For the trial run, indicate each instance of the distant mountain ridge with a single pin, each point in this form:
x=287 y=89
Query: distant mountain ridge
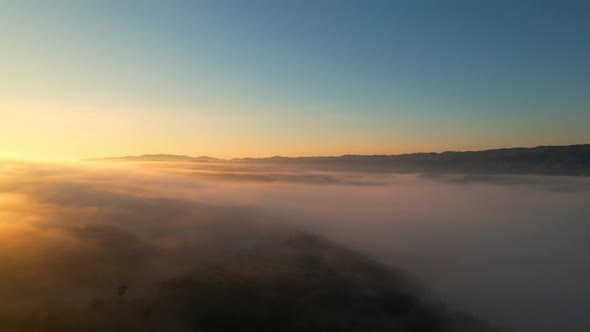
x=159 y=157
x=541 y=160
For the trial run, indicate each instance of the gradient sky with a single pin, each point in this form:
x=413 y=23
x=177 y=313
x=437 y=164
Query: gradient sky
x=259 y=78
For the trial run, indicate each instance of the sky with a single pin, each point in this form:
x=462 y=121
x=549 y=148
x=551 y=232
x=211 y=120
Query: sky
x=255 y=78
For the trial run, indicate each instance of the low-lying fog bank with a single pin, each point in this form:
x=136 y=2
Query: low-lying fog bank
x=509 y=249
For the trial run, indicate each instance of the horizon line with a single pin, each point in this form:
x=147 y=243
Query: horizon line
x=329 y=156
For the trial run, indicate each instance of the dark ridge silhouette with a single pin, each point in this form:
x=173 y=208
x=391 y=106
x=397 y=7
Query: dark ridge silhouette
x=548 y=160
x=541 y=160
x=291 y=281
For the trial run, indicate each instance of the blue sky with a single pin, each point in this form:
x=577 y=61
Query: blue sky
x=236 y=78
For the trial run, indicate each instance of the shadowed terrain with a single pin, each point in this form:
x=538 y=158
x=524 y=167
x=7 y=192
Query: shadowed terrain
x=287 y=282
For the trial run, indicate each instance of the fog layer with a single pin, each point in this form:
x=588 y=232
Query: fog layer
x=509 y=249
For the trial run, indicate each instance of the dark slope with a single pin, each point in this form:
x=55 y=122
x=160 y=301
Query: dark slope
x=271 y=281
x=549 y=160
